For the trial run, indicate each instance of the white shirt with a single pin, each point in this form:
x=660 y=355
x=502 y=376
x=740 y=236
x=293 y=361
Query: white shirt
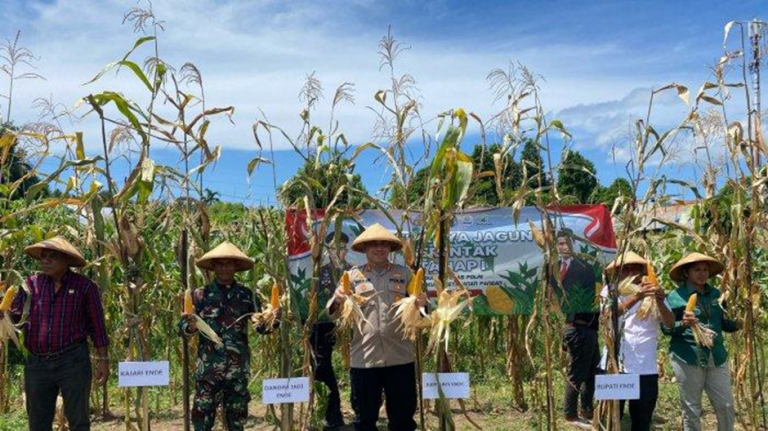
x=639 y=340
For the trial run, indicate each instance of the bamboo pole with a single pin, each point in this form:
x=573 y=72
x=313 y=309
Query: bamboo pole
x=185 y=340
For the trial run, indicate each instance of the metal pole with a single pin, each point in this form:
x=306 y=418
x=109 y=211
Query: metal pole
x=756 y=30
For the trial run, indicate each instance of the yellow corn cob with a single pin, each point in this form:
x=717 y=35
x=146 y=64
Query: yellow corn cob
x=691 y=303
x=498 y=300
x=346 y=287
x=274 y=300
x=651 y=274
x=189 y=307
x=8 y=298
x=414 y=287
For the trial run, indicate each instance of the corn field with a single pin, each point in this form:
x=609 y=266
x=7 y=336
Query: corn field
x=141 y=234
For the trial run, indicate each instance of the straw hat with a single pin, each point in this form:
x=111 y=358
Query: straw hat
x=225 y=250
x=59 y=244
x=376 y=232
x=677 y=271
x=628 y=258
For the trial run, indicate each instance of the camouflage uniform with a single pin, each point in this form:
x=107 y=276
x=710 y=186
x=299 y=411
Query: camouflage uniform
x=222 y=372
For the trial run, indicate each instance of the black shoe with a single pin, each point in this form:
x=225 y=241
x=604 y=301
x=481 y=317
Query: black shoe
x=334 y=425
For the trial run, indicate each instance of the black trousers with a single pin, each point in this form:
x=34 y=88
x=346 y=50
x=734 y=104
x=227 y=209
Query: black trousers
x=580 y=342
x=323 y=340
x=43 y=379
x=641 y=410
x=398 y=383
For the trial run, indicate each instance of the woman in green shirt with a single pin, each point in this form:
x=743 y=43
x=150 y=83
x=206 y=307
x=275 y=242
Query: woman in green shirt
x=699 y=368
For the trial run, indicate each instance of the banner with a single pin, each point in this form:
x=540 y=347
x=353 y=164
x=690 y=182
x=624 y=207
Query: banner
x=494 y=257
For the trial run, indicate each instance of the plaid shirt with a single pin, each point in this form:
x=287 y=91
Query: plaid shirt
x=61 y=319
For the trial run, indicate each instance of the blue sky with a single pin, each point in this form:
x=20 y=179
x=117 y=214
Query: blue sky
x=599 y=60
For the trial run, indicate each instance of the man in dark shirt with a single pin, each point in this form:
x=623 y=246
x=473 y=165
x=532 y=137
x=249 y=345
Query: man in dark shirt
x=575 y=285
x=322 y=337
x=64 y=309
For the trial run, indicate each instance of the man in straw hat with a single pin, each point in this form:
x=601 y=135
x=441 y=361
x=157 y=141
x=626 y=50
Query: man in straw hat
x=699 y=368
x=639 y=321
x=64 y=310
x=380 y=359
x=222 y=369
x=574 y=284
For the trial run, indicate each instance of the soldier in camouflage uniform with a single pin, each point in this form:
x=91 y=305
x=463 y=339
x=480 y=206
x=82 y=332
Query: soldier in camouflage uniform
x=223 y=371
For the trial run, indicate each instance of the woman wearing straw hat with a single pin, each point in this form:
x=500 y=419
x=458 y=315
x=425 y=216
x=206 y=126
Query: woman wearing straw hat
x=64 y=310
x=699 y=368
x=223 y=368
x=639 y=331
x=380 y=359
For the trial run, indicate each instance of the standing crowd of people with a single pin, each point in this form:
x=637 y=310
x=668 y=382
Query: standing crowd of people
x=61 y=309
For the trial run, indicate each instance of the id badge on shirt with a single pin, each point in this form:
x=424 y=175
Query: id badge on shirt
x=364 y=288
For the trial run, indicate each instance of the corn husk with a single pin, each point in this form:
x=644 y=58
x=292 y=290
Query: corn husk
x=703 y=335
x=206 y=331
x=268 y=317
x=351 y=313
x=8 y=330
x=648 y=308
x=412 y=317
x=449 y=309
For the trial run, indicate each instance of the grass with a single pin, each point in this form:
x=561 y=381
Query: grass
x=491 y=406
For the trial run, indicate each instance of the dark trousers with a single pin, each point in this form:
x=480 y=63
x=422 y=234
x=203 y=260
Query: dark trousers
x=580 y=342
x=398 y=383
x=69 y=374
x=641 y=410
x=323 y=340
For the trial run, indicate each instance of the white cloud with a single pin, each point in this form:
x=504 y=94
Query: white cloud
x=256 y=54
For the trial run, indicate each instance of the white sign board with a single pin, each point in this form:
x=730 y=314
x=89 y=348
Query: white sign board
x=142 y=374
x=617 y=387
x=454 y=385
x=285 y=391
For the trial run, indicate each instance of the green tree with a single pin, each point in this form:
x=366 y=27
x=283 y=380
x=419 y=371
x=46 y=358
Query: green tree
x=576 y=179
x=484 y=189
x=324 y=179
x=485 y=193
x=15 y=167
x=620 y=187
x=534 y=164
x=210 y=196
